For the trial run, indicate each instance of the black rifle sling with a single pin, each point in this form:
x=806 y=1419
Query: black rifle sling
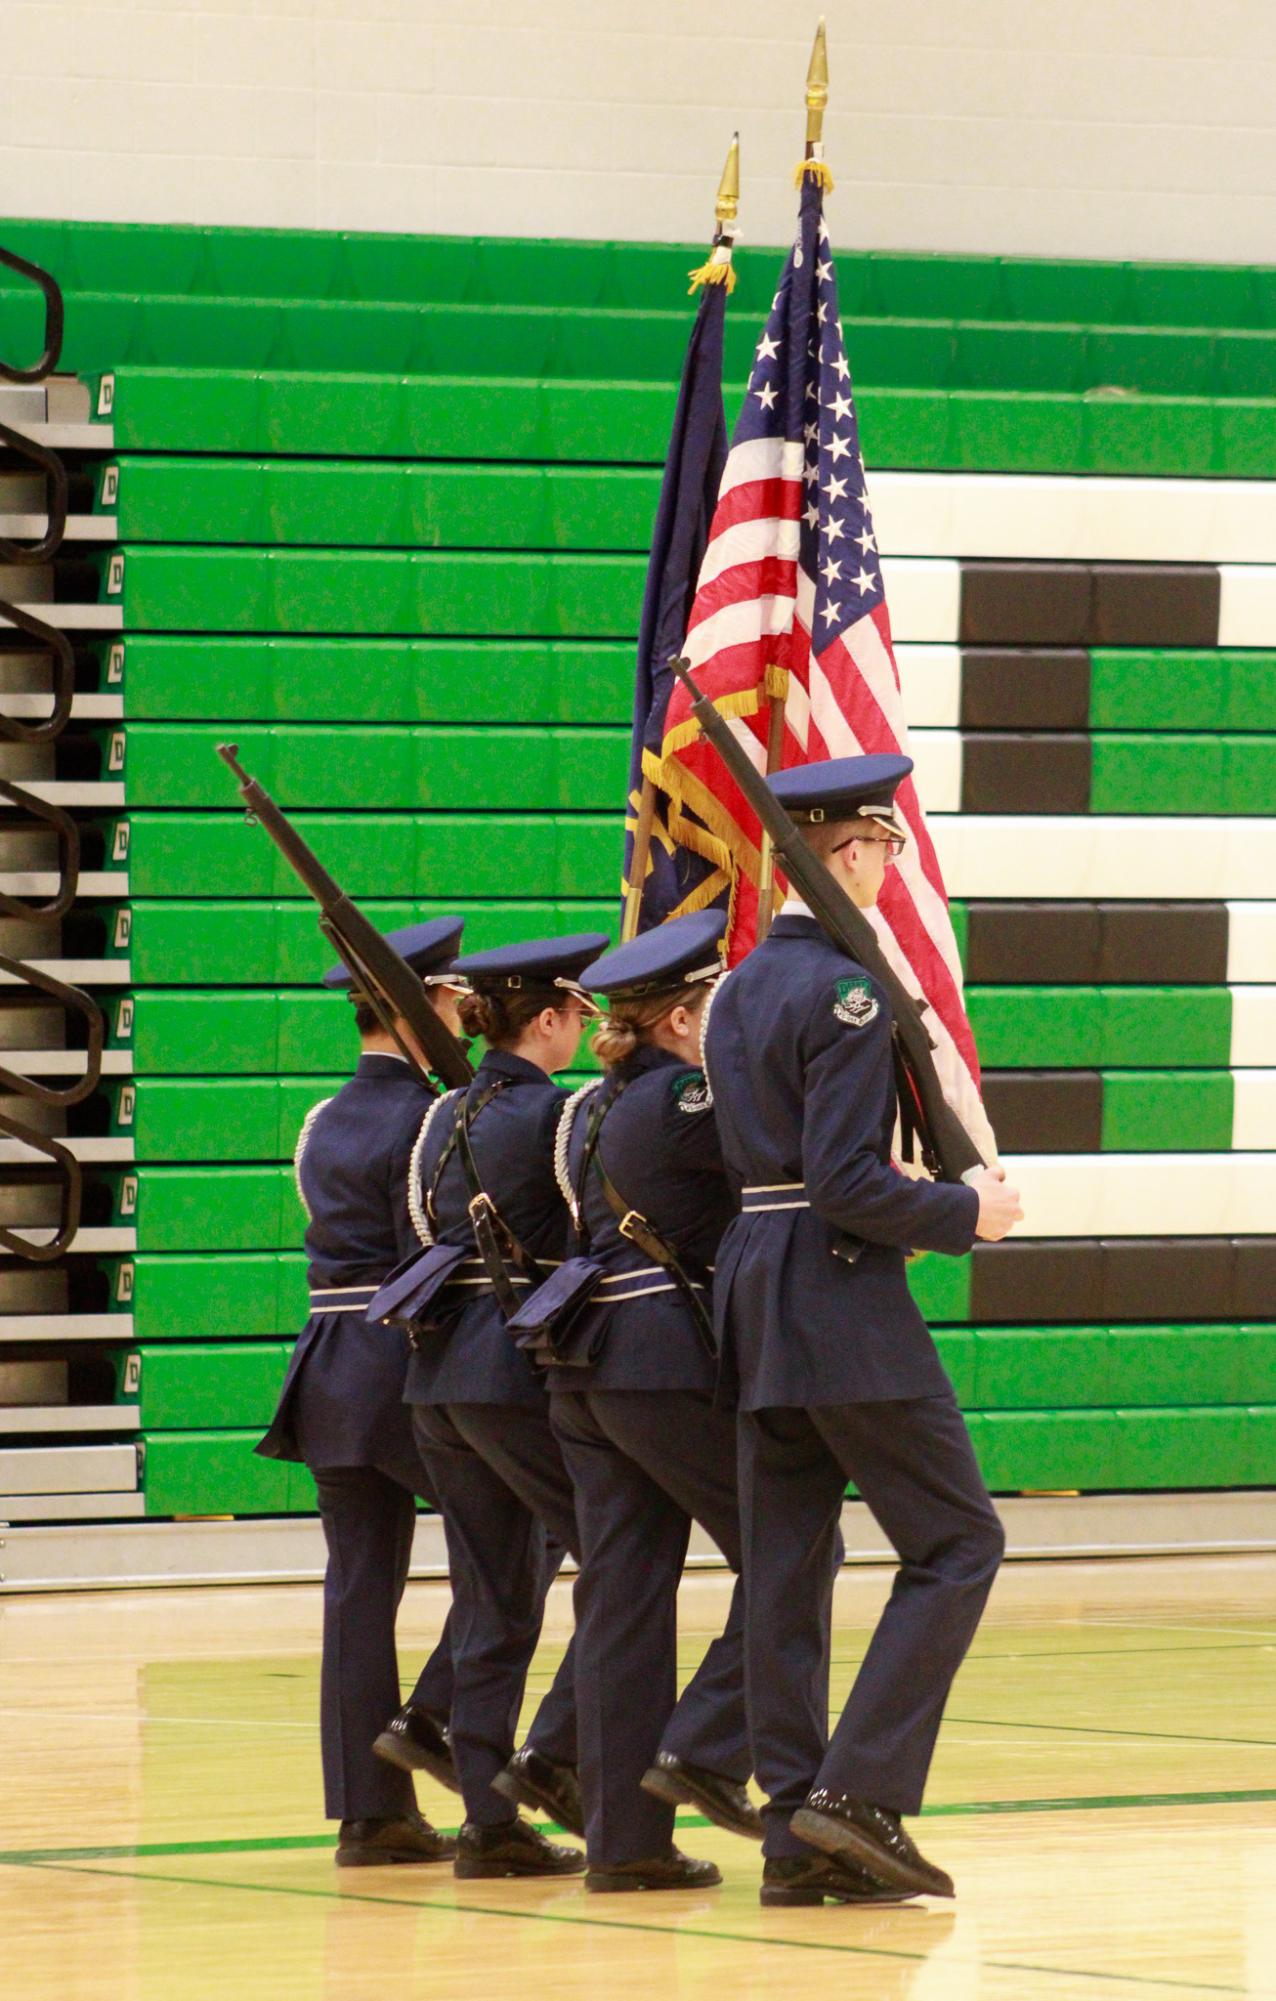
x=633 y=1226
x=492 y=1234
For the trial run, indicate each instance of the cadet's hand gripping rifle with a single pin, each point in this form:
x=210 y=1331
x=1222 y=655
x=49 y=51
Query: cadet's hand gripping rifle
x=947 y=1147
x=392 y=988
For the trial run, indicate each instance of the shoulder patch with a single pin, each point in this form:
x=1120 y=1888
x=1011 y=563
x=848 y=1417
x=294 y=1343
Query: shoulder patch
x=855 y=1003
x=690 y=1090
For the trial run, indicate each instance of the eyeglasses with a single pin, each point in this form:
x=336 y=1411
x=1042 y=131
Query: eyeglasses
x=896 y=843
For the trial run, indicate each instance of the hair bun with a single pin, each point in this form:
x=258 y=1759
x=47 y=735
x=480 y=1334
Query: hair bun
x=482 y=1014
x=613 y=1040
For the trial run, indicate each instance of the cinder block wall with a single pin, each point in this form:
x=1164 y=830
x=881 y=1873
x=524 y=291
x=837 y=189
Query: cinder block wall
x=1112 y=128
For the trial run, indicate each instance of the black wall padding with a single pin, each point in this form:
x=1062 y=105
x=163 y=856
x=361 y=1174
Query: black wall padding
x=1025 y=774
x=1057 y=944
x=1156 y=604
x=1010 y=688
x=1088 y=1279
x=1089 y=604
x=1045 y=1111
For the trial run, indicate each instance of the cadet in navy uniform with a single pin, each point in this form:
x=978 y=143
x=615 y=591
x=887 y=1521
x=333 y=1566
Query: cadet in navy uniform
x=479 y=1408
x=645 y=1447
x=838 y=1378
x=341 y=1411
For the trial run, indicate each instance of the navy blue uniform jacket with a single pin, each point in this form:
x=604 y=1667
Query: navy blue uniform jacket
x=354 y=1177
x=659 y=1144
x=474 y=1358
x=799 y=1058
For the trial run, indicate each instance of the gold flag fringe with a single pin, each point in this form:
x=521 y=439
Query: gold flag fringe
x=814 y=170
x=715 y=272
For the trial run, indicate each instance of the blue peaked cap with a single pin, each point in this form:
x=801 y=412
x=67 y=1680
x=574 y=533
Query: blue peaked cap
x=538 y=962
x=842 y=788
x=428 y=948
x=669 y=955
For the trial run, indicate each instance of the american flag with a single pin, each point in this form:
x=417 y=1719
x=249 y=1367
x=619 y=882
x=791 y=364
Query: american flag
x=790 y=603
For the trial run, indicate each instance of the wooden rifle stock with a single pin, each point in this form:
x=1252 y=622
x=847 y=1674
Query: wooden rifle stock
x=945 y=1141
x=392 y=988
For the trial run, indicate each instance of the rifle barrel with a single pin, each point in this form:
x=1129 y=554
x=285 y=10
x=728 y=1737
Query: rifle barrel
x=848 y=928
x=392 y=987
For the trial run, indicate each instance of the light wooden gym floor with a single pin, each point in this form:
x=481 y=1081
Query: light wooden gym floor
x=1104 y=1793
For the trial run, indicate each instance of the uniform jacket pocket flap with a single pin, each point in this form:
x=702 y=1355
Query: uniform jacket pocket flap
x=413 y=1284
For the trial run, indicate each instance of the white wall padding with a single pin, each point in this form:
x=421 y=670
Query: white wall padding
x=1040 y=517
x=930 y=679
x=1247 y=605
x=924 y=597
x=1254 y=1030
x=1251 y=941
x=1145 y=1194
x=1143 y=855
x=1254 y=1112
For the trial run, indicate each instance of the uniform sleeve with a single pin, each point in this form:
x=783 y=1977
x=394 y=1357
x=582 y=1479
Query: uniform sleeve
x=547 y=1138
x=397 y=1168
x=690 y=1125
x=850 y=1098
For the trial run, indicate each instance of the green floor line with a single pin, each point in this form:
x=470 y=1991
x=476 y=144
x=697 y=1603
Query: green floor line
x=974 y=1660
x=1100 y=1803
x=951 y=1810
x=1103 y=1730
x=677 y=1931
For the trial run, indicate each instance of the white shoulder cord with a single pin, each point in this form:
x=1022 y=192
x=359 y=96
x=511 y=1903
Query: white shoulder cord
x=562 y=1140
x=299 y=1154
x=706 y=1011
x=416 y=1208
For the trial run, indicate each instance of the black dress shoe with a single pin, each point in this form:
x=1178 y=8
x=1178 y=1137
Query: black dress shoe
x=788 y=1880
x=416 y=1741
x=674 y=1871
x=371 y=1844
x=856 y=1831
x=725 y=1801
x=532 y=1780
x=515 y=1848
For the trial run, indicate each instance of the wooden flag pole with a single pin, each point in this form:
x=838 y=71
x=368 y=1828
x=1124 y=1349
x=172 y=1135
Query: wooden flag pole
x=817 y=97
x=717 y=270
x=638 y=861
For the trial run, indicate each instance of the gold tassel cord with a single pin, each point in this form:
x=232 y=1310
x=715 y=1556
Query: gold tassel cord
x=814 y=170
x=718 y=271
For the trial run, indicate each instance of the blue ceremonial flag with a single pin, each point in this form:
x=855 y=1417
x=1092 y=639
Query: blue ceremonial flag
x=678 y=878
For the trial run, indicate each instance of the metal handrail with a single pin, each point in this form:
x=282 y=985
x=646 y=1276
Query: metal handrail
x=56 y=503
x=75 y=1001
x=68 y=855
x=54 y=320
x=50 y=639
x=69 y=1173
x=71 y=1183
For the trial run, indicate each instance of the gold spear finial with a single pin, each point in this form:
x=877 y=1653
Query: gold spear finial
x=817 y=97
x=727 y=206
x=817 y=88
x=718 y=270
